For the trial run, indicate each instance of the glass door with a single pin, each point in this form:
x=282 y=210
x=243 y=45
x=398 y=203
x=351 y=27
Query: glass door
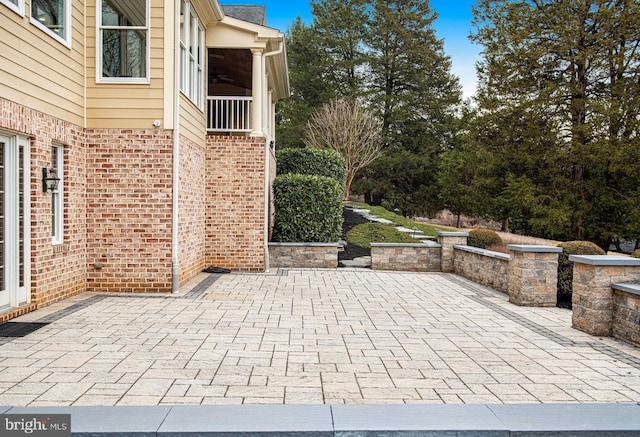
x=14 y=236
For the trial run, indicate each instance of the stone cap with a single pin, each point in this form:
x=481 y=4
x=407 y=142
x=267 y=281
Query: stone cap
x=336 y=244
x=629 y=288
x=605 y=260
x=484 y=252
x=427 y=244
x=533 y=248
x=452 y=234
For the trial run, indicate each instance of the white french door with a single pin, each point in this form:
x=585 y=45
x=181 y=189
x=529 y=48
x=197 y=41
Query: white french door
x=14 y=223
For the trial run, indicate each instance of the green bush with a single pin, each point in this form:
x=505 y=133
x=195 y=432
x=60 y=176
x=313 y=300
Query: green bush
x=636 y=254
x=316 y=162
x=565 y=267
x=308 y=209
x=484 y=238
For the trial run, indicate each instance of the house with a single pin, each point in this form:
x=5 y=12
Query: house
x=137 y=144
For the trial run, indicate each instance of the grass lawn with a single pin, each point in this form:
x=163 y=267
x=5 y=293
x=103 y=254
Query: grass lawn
x=364 y=234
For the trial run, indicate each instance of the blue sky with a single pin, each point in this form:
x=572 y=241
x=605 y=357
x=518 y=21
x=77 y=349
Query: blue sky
x=453 y=25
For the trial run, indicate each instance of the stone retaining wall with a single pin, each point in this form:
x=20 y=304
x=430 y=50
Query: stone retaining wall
x=626 y=313
x=593 y=297
x=482 y=266
x=303 y=255
x=406 y=257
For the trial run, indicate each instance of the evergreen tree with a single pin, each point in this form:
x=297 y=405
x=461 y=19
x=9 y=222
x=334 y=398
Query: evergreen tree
x=569 y=70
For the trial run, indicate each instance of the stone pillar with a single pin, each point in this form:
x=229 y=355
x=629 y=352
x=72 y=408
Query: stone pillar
x=592 y=298
x=533 y=275
x=447 y=240
x=257 y=77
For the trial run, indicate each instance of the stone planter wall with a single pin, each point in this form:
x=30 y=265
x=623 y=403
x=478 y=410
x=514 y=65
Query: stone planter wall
x=448 y=240
x=483 y=266
x=303 y=255
x=406 y=257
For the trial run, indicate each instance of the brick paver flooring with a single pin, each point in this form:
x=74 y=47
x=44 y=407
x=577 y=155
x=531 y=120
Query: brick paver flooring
x=312 y=336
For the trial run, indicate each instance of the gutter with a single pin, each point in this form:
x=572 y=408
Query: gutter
x=175 y=268
x=267 y=151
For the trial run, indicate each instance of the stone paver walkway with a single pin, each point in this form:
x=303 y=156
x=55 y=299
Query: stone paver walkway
x=312 y=336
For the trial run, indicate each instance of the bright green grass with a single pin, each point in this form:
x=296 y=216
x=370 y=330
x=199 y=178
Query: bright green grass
x=402 y=221
x=365 y=234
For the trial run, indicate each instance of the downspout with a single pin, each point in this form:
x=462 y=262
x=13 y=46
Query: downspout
x=175 y=268
x=267 y=151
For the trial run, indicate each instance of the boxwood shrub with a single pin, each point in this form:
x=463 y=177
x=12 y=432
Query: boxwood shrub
x=316 y=162
x=308 y=209
x=484 y=238
x=565 y=267
x=636 y=254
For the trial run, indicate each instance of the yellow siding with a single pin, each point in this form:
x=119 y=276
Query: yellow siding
x=40 y=72
x=192 y=121
x=127 y=105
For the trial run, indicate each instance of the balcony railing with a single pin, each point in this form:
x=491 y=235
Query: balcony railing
x=229 y=114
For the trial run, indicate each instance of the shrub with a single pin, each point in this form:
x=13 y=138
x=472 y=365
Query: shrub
x=565 y=267
x=484 y=238
x=315 y=162
x=636 y=254
x=308 y=209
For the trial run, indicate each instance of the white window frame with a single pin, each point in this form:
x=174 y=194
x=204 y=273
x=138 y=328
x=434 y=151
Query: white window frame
x=18 y=9
x=192 y=72
x=57 y=197
x=99 y=49
x=66 y=40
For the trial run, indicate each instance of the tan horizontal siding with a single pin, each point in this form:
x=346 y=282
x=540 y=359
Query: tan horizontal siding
x=40 y=72
x=192 y=121
x=127 y=105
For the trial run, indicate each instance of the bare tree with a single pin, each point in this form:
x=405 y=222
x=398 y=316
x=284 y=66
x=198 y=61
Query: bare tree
x=347 y=127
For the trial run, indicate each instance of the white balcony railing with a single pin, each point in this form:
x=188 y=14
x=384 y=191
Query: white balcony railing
x=229 y=114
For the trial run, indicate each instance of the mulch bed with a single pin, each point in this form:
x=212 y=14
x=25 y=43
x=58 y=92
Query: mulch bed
x=350 y=220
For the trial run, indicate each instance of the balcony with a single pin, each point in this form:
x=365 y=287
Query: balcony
x=230 y=114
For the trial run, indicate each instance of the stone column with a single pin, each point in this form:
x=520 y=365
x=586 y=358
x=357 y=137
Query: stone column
x=256 y=93
x=533 y=275
x=447 y=240
x=592 y=298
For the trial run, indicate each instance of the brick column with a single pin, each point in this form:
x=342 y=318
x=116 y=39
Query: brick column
x=533 y=275
x=447 y=240
x=592 y=297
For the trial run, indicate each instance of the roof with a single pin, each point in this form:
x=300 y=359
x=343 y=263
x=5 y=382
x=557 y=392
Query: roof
x=251 y=13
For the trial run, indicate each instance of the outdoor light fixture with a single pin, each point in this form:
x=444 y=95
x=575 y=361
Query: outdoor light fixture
x=50 y=179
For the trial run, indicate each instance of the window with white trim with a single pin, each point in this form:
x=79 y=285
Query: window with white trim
x=191 y=55
x=16 y=5
x=57 y=204
x=54 y=17
x=123 y=41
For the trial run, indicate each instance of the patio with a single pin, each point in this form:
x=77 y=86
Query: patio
x=312 y=337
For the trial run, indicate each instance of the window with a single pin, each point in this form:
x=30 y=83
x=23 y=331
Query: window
x=123 y=41
x=57 y=211
x=16 y=5
x=191 y=55
x=54 y=17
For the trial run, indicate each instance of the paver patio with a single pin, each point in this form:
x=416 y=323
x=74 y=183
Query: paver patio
x=311 y=336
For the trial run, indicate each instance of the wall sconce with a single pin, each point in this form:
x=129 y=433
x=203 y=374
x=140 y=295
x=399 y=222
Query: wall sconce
x=50 y=179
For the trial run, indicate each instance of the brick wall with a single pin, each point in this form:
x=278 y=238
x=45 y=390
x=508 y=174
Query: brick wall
x=192 y=209
x=129 y=209
x=235 y=202
x=57 y=271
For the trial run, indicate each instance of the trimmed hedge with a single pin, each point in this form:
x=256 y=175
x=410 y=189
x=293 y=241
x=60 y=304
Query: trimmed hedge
x=636 y=254
x=308 y=209
x=565 y=267
x=316 y=162
x=484 y=238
